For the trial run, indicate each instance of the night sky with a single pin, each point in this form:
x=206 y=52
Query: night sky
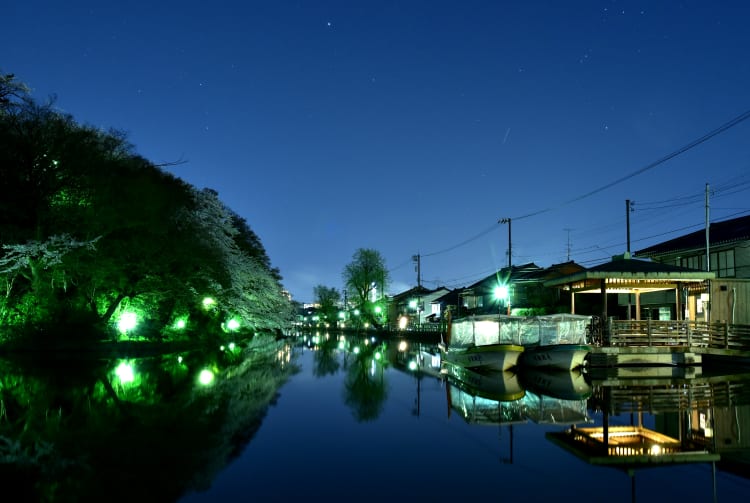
x=412 y=127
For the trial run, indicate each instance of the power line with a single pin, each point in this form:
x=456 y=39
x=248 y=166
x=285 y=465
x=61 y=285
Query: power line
x=724 y=127
x=692 y=144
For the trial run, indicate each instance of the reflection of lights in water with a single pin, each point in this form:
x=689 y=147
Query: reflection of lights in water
x=402 y=346
x=378 y=355
x=356 y=350
x=125 y=372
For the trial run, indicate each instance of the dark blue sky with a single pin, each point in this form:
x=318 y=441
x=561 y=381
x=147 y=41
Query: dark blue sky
x=412 y=126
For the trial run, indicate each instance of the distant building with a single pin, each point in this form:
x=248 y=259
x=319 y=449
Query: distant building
x=415 y=303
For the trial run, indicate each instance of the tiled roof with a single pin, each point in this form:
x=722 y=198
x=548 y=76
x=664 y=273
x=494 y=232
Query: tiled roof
x=720 y=233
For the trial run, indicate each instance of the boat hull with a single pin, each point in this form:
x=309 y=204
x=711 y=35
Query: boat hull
x=493 y=356
x=556 y=383
x=490 y=384
x=558 y=356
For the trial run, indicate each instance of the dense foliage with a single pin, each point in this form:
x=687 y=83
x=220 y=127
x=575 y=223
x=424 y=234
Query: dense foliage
x=91 y=232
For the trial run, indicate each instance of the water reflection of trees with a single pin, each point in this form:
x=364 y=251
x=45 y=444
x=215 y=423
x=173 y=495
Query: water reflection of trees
x=148 y=429
x=363 y=358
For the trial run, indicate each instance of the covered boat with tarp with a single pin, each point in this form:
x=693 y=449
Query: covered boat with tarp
x=479 y=342
x=553 y=340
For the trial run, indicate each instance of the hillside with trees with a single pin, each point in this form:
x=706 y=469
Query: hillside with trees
x=98 y=243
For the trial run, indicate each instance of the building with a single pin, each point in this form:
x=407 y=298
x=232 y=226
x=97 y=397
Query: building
x=517 y=290
x=727 y=297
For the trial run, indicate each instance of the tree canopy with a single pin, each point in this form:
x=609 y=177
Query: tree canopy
x=90 y=231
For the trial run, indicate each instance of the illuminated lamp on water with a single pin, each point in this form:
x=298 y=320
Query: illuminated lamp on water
x=127 y=322
x=206 y=377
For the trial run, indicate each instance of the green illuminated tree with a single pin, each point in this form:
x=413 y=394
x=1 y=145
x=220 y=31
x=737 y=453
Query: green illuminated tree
x=365 y=273
x=89 y=227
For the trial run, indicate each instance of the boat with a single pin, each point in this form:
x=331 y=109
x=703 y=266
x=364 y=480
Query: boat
x=479 y=342
x=553 y=341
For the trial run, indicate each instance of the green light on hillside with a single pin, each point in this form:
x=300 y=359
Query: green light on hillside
x=206 y=377
x=127 y=322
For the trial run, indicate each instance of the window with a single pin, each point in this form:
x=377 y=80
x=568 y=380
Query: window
x=722 y=263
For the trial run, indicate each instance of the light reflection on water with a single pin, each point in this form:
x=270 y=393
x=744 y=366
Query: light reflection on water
x=355 y=419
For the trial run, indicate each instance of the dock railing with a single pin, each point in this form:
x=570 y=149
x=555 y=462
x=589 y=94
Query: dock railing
x=694 y=334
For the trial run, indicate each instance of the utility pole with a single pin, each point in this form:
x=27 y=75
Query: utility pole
x=708 y=243
x=628 y=209
x=568 y=231
x=417 y=259
x=507 y=221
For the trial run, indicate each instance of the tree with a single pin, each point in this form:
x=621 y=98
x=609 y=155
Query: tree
x=362 y=275
x=328 y=299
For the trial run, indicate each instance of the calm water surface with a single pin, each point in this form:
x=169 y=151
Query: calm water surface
x=410 y=435
x=356 y=420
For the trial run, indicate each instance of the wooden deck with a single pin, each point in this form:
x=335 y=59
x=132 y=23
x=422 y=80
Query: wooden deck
x=630 y=342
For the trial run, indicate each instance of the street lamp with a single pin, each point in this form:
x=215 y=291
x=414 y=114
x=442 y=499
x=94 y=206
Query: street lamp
x=503 y=294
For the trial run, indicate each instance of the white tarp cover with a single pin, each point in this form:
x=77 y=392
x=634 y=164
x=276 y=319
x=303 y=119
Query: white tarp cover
x=537 y=408
x=542 y=330
x=479 y=410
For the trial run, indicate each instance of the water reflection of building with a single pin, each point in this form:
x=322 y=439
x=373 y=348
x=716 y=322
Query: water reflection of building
x=696 y=417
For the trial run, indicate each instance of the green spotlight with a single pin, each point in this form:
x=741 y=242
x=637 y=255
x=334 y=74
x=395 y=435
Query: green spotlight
x=206 y=377
x=128 y=320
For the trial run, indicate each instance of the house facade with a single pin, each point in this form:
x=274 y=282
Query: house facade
x=727 y=297
x=416 y=304
x=518 y=290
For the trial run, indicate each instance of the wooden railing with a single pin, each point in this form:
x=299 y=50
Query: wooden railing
x=718 y=335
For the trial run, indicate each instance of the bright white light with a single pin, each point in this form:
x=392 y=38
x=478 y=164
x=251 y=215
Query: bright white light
x=233 y=324
x=206 y=377
x=402 y=346
x=412 y=365
x=125 y=372
x=127 y=322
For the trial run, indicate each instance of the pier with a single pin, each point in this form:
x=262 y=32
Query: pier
x=673 y=342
